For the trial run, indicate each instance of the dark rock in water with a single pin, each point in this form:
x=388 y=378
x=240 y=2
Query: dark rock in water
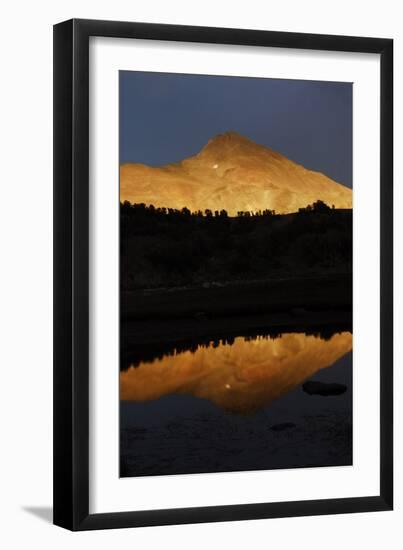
x=321 y=388
x=283 y=426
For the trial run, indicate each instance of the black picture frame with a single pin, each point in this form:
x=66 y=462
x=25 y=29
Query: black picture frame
x=71 y=274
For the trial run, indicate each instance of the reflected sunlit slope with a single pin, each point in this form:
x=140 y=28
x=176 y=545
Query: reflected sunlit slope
x=240 y=377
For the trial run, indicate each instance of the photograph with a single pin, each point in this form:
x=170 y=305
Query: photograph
x=203 y=265
x=236 y=240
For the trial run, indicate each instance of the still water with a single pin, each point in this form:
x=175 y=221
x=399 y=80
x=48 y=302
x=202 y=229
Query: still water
x=238 y=404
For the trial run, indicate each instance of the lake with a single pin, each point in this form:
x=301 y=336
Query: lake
x=237 y=403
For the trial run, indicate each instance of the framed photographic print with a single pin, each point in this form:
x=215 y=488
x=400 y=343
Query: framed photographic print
x=222 y=274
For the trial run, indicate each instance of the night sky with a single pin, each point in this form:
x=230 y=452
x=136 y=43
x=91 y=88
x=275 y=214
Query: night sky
x=165 y=118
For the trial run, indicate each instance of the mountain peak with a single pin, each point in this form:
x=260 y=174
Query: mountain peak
x=231 y=145
x=229 y=135
x=234 y=173
x=228 y=138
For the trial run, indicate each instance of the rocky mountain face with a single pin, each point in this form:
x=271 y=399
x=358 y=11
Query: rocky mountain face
x=233 y=173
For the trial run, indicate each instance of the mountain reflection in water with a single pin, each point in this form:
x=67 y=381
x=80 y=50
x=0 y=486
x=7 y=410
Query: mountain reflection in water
x=241 y=376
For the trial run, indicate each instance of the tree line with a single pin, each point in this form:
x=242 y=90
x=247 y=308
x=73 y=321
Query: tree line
x=127 y=208
x=166 y=247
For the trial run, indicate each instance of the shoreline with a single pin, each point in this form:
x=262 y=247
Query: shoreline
x=287 y=295
x=139 y=339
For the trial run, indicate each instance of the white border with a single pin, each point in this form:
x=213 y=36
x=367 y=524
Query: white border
x=108 y=493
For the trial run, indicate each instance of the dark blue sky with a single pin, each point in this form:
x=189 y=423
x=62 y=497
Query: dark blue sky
x=165 y=118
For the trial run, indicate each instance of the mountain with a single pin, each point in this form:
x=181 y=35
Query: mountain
x=231 y=172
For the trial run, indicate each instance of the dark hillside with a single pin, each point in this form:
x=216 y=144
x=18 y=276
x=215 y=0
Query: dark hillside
x=166 y=248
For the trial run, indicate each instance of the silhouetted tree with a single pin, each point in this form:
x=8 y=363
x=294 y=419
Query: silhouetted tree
x=320 y=206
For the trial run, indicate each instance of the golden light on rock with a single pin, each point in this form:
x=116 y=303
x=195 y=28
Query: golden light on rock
x=232 y=173
x=241 y=377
